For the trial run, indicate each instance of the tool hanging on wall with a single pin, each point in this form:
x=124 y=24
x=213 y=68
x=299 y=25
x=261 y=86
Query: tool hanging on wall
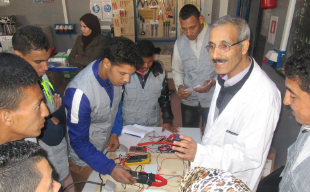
x=142 y=4
x=145 y=1
x=153 y=2
x=160 y=15
x=156 y=26
x=164 y=27
x=152 y=27
x=167 y=8
x=168 y=25
x=142 y=32
x=174 y=16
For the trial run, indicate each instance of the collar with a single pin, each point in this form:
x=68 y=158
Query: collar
x=103 y=83
x=235 y=79
x=306 y=128
x=43 y=82
x=238 y=85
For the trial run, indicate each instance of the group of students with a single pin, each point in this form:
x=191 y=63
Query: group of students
x=88 y=119
x=239 y=104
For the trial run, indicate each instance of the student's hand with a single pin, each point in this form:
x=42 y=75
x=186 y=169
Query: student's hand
x=55 y=120
x=57 y=100
x=170 y=127
x=183 y=94
x=187 y=146
x=207 y=88
x=114 y=143
x=120 y=174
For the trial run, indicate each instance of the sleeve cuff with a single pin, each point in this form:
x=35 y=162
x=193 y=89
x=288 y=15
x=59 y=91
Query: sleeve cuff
x=167 y=120
x=198 y=157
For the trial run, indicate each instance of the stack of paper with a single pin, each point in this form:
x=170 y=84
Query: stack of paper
x=133 y=134
x=136 y=130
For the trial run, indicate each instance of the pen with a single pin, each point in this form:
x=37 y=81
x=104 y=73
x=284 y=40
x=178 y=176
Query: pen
x=132 y=135
x=209 y=82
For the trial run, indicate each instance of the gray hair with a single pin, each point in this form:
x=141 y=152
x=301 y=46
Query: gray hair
x=241 y=25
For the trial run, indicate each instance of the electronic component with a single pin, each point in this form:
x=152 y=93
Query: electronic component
x=148 y=178
x=173 y=137
x=138 y=149
x=137 y=159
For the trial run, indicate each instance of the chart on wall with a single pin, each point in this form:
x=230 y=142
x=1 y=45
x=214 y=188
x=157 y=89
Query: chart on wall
x=4 y=3
x=102 y=9
x=299 y=34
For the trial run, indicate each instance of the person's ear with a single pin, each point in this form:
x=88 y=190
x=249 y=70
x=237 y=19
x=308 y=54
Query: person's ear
x=18 y=53
x=201 y=19
x=106 y=63
x=245 y=46
x=6 y=117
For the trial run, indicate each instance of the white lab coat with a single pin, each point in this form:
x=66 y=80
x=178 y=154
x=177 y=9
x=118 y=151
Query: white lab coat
x=253 y=114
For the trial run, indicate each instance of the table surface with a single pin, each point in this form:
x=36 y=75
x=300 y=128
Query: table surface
x=170 y=166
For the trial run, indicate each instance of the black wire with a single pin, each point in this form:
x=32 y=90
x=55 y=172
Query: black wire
x=82 y=182
x=101 y=182
x=138 y=167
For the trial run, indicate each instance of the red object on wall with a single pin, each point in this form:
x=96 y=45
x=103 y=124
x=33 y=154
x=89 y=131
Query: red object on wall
x=268 y=4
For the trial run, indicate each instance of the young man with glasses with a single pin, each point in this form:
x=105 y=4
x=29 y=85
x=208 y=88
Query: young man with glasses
x=244 y=110
x=192 y=66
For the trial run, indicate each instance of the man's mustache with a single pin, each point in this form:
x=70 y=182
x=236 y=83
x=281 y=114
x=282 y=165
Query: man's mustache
x=219 y=60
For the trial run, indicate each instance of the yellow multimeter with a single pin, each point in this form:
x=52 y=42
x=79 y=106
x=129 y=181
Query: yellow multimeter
x=137 y=159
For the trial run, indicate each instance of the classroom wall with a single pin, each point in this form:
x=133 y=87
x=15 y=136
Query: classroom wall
x=28 y=12
x=215 y=10
x=287 y=128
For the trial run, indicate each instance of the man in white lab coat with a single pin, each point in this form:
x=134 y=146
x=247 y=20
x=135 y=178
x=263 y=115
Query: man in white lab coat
x=244 y=110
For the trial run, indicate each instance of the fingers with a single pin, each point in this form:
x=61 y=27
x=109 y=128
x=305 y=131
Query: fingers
x=187 y=146
x=120 y=174
x=175 y=129
x=183 y=94
x=57 y=100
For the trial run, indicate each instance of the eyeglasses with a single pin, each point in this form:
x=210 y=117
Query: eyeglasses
x=223 y=47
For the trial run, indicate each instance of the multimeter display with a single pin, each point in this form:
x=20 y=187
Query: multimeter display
x=137 y=159
x=138 y=149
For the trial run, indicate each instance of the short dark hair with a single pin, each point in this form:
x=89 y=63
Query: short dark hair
x=15 y=75
x=121 y=50
x=147 y=48
x=29 y=38
x=189 y=10
x=18 y=166
x=297 y=68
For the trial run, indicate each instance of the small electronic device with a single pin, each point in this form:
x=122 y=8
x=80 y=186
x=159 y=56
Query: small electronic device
x=137 y=159
x=173 y=137
x=148 y=178
x=136 y=149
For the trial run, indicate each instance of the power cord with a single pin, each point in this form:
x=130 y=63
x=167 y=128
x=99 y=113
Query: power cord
x=82 y=182
x=101 y=182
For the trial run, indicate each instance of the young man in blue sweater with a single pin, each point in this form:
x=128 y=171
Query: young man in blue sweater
x=93 y=103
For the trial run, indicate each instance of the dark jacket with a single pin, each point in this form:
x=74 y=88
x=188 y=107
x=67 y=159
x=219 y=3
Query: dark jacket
x=164 y=99
x=94 y=50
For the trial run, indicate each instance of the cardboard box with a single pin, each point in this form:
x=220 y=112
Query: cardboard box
x=269 y=162
x=62 y=55
x=165 y=60
x=170 y=80
x=171 y=84
x=55 y=78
